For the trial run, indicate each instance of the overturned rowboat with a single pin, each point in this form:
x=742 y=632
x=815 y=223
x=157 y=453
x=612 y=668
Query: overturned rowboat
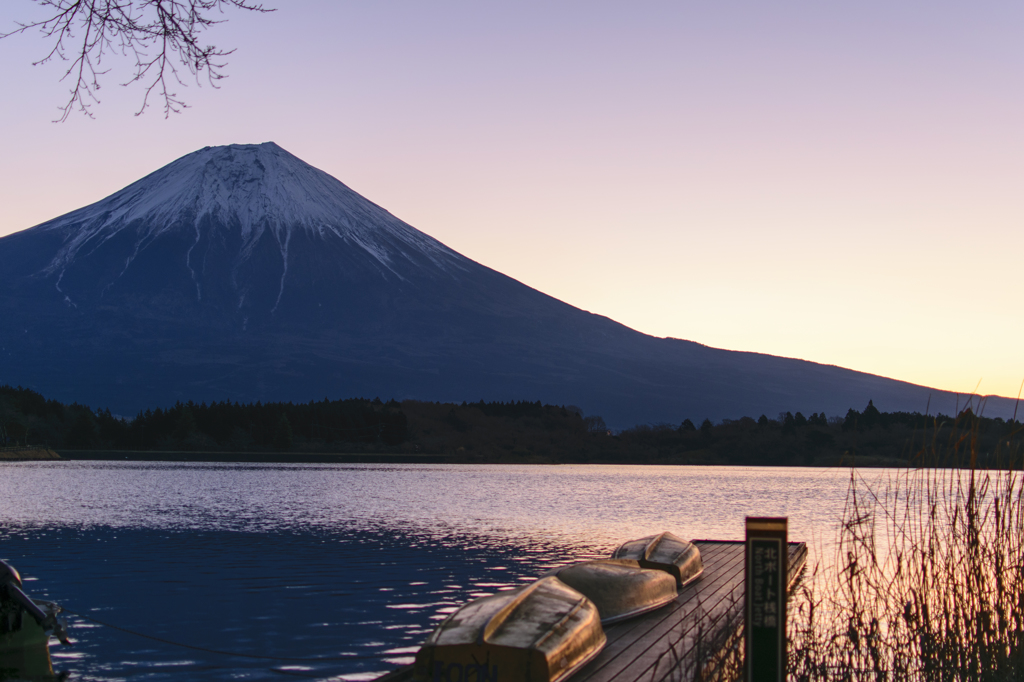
x=540 y=633
x=664 y=552
x=619 y=588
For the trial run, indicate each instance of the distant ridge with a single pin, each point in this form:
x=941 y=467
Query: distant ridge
x=243 y=273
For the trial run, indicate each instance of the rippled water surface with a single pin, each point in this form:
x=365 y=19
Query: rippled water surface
x=337 y=571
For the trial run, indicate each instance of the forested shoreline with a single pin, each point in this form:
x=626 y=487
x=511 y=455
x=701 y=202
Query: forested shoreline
x=518 y=431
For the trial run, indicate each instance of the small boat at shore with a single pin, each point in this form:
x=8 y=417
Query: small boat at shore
x=664 y=552
x=619 y=588
x=543 y=632
x=26 y=626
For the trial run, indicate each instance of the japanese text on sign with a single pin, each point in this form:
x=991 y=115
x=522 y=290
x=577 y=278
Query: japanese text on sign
x=764 y=600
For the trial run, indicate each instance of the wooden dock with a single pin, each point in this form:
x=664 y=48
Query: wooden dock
x=697 y=632
x=691 y=638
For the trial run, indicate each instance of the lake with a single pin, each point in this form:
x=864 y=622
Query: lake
x=338 y=572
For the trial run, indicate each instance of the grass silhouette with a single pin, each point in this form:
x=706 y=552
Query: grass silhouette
x=927 y=582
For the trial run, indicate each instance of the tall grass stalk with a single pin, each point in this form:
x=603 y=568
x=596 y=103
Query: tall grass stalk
x=928 y=577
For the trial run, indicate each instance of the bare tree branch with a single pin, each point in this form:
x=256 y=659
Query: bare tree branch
x=160 y=35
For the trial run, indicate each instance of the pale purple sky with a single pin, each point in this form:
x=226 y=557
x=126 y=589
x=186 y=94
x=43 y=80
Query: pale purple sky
x=837 y=182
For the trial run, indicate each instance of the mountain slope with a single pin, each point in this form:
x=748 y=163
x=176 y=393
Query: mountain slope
x=242 y=273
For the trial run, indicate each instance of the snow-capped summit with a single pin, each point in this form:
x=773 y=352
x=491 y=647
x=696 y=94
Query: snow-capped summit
x=253 y=188
x=237 y=203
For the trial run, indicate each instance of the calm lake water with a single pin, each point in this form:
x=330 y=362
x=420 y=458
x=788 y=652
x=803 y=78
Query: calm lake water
x=338 y=572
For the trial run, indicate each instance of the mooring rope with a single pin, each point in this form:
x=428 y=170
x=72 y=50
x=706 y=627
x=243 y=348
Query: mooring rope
x=353 y=657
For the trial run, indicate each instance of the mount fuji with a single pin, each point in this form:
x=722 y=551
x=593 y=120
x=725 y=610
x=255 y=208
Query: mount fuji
x=242 y=273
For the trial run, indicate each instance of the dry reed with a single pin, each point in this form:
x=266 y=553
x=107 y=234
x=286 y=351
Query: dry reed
x=928 y=577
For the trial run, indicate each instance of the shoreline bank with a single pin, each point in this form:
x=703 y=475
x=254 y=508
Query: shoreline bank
x=252 y=457
x=39 y=453
x=32 y=452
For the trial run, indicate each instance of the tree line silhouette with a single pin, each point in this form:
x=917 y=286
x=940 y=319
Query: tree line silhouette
x=864 y=438
x=27 y=417
x=515 y=431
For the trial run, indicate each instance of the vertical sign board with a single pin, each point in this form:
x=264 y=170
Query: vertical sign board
x=767 y=559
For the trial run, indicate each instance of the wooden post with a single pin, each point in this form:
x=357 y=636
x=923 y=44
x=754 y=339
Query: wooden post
x=767 y=558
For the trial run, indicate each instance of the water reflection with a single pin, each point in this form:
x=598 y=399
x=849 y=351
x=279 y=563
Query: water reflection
x=336 y=572
x=350 y=602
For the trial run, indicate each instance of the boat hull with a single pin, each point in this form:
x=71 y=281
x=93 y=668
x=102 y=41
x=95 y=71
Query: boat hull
x=619 y=588
x=540 y=633
x=664 y=552
x=19 y=630
x=24 y=647
x=31 y=663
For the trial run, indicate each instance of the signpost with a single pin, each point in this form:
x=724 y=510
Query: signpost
x=767 y=558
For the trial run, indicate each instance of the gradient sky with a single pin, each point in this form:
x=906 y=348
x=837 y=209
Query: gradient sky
x=842 y=183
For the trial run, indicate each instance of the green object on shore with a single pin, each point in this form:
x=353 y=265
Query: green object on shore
x=25 y=628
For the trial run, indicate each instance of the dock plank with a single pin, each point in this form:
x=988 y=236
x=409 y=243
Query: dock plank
x=706 y=616
x=642 y=631
x=700 y=607
x=627 y=633
x=702 y=624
